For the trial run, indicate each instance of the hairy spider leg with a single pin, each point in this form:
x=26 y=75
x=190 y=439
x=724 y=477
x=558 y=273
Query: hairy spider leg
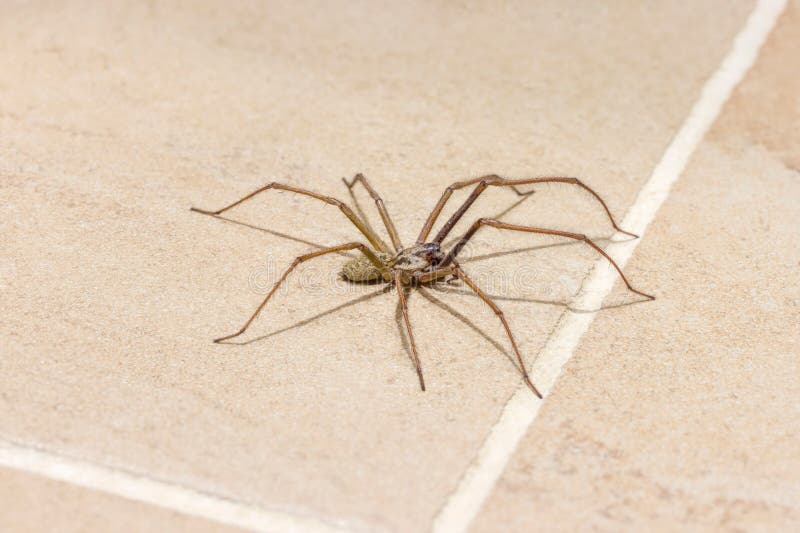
x=434 y=275
x=398 y=283
x=371 y=237
x=387 y=220
x=496 y=181
x=529 y=229
x=456 y=270
x=356 y=204
x=497 y=311
x=448 y=192
x=300 y=259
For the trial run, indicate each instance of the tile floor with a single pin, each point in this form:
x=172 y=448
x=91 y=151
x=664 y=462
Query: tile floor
x=115 y=118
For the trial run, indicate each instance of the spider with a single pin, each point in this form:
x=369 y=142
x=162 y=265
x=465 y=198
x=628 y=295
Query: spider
x=425 y=262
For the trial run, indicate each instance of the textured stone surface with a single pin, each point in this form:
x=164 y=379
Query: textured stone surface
x=684 y=414
x=115 y=118
x=32 y=503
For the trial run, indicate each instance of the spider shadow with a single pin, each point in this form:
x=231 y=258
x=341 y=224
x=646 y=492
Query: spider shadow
x=398 y=316
x=439 y=287
x=275 y=233
x=443 y=288
x=449 y=288
x=466 y=321
x=565 y=304
x=355 y=301
x=494 y=255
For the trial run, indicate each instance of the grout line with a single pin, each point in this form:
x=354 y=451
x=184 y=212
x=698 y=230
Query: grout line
x=159 y=493
x=477 y=483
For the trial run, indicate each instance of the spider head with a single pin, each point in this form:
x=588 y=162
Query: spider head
x=417 y=258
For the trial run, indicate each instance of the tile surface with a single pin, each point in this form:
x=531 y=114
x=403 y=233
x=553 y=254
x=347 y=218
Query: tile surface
x=114 y=119
x=33 y=503
x=683 y=414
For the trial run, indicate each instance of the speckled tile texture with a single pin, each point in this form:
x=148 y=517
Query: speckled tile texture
x=32 y=503
x=683 y=415
x=116 y=117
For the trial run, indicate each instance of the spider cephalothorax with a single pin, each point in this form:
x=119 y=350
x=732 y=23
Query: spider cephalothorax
x=411 y=262
x=417 y=259
x=425 y=262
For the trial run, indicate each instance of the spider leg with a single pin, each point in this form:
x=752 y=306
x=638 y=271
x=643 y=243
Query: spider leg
x=498 y=216
x=371 y=237
x=496 y=181
x=300 y=259
x=514 y=227
x=398 y=283
x=387 y=220
x=497 y=311
x=448 y=192
x=433 y=275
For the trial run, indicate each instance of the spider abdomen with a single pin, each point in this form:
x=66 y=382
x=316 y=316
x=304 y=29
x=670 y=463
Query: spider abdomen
x=361 y=269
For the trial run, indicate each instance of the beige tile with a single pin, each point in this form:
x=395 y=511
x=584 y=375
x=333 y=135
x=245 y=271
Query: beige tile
x=114 y=119
x=766 y=109
x=33 y=503
x=683 y=414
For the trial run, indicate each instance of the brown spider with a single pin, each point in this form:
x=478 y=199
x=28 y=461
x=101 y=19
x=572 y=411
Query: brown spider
x=425 y=261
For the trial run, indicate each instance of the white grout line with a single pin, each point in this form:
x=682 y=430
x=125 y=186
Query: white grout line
x=463 y=505
x=162 y=494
